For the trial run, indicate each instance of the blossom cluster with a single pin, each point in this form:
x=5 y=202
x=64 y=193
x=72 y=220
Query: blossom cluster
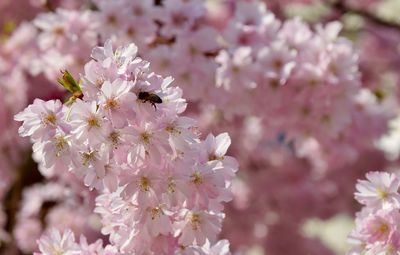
x=306 y=80
x=53 y=205
x=377 y=230
x=302 y=104
x=56 y=243
x=161 y=187
x=176 y=31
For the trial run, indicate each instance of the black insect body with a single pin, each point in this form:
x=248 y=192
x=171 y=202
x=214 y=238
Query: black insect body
x=152 y=98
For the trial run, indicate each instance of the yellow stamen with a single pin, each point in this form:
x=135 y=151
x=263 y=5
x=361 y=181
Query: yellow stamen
x=195 y=220
x=155 y=212
x=49 y=119
x=196 y=178
x=145 y=183
x=172 y=129
x=382 y=194
x=99 y=82
x=60 y=144
x=146 y=137
x=88 y=157
x=111 y=104
x=57 y=251
x=92 y=121
x=114 y=138
x=384 y=228
x=212 y=157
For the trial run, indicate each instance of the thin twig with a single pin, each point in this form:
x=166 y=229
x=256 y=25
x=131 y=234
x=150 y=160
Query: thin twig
x=341 y=7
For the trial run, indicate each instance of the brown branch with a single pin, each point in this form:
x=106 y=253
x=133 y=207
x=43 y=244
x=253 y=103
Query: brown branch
x=341 y=7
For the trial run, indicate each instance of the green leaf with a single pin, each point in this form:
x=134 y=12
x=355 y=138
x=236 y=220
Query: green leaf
x=69 y=83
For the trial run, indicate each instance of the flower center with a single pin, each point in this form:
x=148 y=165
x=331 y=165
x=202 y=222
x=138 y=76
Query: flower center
x=212 y=157
x=88 y=157
x=58 y=31
x=60 y=143
x=382 y=194
x=93 y=121
x=49 y=119
x=196 y=178
x=114 y=138
x=57 y=251
x=111 y=103
x=195 y=221
x=145 y=183
x=383 y=228
x=235 y=69
x=112 y=20
x=145 y=136
x=277 y=64
x=131 y=32
x=99 y=82
x=155 y=212
x=172 y=129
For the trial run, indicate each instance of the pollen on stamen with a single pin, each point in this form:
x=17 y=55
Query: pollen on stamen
x=114 y=137
x=111 y=104
x=195 y=220
x=60 y=143
x=93 y=121
x=144 y=183
x=57 y=251
x=88 y=157
x=49 y=119
x=382 y=194
x=99 y=82
x=145 y=137
x=212 y=157
x=196 y=178
x=172 y=130
x=155 y=212
x=383 y=228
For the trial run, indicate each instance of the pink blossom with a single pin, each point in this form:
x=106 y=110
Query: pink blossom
x=56 y=243
x=41 y=119
x=88 y=120
x=380 y=189
x=197 y=226
x=117 y=101
x=120 y=58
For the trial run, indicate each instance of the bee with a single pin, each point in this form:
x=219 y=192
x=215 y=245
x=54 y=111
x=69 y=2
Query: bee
x=152 y=98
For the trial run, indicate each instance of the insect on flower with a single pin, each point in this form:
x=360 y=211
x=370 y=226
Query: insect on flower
x=152 y=98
